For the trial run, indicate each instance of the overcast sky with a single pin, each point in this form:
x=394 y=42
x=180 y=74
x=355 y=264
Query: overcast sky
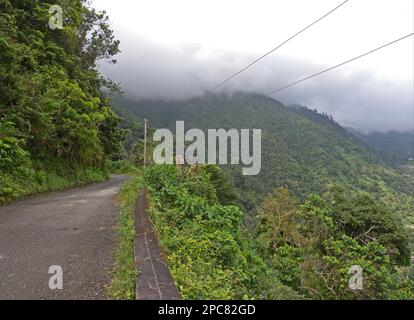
x=179 y=48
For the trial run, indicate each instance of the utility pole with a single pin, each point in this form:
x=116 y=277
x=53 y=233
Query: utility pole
x=145 y=142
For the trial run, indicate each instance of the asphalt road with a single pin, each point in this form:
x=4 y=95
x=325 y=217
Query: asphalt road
x=74 y=229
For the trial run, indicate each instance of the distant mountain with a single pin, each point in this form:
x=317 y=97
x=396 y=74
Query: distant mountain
x=302 y=150
x=398 y=146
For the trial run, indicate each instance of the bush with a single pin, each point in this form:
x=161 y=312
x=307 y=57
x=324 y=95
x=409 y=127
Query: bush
x=209 y=252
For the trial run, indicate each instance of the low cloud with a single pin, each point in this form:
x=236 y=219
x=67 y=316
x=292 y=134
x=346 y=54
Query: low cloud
x=147 y=70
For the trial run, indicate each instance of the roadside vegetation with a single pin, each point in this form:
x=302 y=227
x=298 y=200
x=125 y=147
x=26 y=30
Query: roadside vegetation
x=15 y=184
x=124 y=276
x=210 y=254
x=296 y=250
x=125 y=167
x=56 y=126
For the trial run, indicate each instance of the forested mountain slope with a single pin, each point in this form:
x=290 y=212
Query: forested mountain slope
x=302 y=150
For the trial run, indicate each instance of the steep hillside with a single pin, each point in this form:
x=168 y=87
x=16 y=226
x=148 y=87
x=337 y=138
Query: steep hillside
x=56 y=127
x=302 y=150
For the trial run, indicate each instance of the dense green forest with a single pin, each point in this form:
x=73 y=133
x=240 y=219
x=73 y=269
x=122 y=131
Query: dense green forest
x=56 y=126
x=395 y=145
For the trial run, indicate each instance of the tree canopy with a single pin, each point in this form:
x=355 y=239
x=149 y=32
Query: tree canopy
x=52 y=107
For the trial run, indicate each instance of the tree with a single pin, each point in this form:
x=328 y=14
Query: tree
x=277 y=221
x=52 y=106
x=366 y=220
x=312 y=247
x=226 y=191
x=50 y=87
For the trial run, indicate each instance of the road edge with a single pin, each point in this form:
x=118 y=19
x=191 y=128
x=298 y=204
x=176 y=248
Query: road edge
x=154 y=280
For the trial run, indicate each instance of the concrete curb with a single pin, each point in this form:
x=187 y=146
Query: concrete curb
x=154 y=280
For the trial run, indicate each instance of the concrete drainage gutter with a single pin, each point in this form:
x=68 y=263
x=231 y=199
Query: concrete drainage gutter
x=154 y=280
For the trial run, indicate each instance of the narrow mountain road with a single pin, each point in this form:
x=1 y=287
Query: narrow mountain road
x=73 y=229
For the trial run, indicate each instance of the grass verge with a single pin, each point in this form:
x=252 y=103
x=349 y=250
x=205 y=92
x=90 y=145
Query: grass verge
x=123 y=281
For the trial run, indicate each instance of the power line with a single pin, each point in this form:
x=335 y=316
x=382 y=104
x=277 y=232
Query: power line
x=337 y=66
x=274 y=49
